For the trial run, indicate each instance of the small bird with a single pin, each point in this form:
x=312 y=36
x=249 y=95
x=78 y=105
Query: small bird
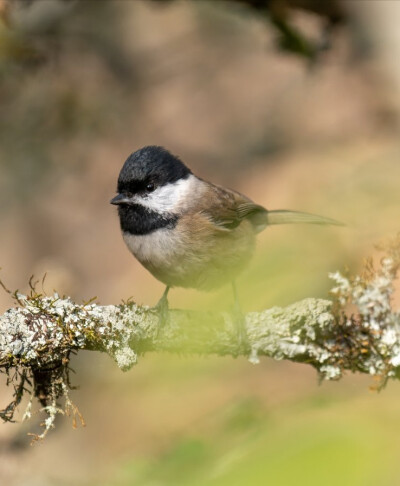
x=186 y=231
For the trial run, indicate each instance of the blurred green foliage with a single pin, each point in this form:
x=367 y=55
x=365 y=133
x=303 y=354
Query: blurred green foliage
x=303 y=444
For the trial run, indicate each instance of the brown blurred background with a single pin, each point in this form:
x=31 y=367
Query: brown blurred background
x=228 y=89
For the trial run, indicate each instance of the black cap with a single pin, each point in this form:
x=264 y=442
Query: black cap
x=151 y=164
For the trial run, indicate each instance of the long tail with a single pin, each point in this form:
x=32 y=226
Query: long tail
x=283 y=216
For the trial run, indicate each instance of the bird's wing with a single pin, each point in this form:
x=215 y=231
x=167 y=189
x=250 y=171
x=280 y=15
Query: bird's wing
x=227 y=209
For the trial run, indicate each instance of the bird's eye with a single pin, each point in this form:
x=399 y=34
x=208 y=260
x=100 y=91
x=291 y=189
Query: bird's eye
x=150 y=187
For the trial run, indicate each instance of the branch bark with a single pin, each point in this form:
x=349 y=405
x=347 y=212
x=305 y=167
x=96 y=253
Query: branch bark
x=44 y=329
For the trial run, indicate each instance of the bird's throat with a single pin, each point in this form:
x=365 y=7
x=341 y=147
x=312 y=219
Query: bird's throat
x=138 y=220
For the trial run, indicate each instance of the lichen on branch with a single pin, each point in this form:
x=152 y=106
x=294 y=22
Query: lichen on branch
x=38 y=335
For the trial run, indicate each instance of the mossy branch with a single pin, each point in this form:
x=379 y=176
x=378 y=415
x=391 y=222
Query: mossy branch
x=38 y=336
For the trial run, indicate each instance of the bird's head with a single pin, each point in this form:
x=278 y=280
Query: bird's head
x=152 y=178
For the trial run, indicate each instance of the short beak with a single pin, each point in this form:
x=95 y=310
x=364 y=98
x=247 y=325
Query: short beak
x=120 y=199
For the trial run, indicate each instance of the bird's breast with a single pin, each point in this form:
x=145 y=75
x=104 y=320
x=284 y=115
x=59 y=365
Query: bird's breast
x=191 y=255
x=158 y=249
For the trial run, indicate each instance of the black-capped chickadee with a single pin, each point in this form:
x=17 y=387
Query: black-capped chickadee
x=186 y=231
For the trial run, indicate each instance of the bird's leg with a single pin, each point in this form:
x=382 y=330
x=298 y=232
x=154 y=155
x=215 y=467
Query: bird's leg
x=162 y=308
x=240 y=323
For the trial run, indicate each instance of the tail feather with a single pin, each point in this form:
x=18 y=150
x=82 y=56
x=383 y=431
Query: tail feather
x=283 y=216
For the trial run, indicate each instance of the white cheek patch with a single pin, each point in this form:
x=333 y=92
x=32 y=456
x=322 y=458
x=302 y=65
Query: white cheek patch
x=165 y=199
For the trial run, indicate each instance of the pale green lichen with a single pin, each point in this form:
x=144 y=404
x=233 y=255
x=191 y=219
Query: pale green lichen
x=378 y=324
x=55 y=323
x=37 y=338
x=290 y=333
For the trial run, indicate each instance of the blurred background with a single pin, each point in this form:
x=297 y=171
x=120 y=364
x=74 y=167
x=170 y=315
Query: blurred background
x=294 y=103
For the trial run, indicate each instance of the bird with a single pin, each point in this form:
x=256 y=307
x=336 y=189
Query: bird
x=188 y=232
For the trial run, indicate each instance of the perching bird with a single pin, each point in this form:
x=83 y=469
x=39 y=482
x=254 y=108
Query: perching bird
x=186 y=231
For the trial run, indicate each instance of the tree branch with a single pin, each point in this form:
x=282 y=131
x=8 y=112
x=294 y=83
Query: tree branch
x=45 y=329
x=38 y=336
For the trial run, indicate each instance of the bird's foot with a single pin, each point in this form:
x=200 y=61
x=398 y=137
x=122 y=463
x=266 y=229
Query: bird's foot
x=162 y=308
x=239 y=321
x=240 y=324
